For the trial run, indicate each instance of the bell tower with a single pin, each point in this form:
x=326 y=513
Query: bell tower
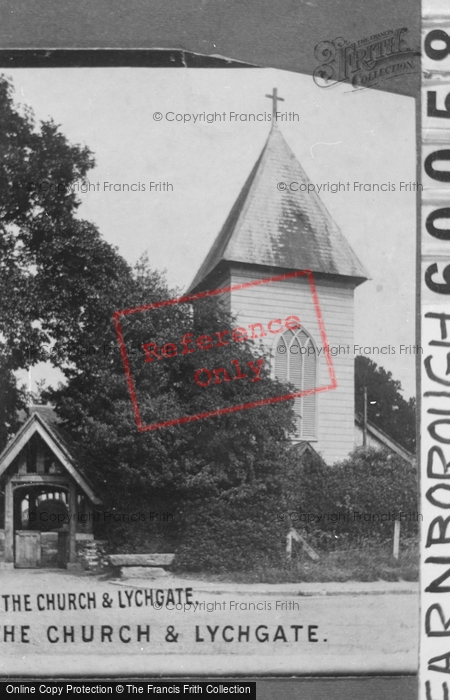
x=278 y=224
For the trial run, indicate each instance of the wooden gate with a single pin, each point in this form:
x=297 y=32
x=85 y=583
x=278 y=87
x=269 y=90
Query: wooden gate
x=28 y=549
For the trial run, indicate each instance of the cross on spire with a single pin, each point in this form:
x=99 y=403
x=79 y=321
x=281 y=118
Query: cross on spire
x=275 y=98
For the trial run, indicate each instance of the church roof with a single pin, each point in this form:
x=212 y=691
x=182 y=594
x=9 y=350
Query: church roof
x=285 y=229
x=384 y=439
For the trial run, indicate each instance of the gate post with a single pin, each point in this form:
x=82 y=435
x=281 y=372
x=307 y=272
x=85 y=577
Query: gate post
x=72 y=563
x=9 y=526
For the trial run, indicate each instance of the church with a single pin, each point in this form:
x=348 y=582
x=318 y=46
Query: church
x=278 y=225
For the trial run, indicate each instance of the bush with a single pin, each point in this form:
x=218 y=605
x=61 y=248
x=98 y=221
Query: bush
x=147 y=525
x=245 y=530
x=307 y=486
x=227 y=534
x=354 y=500
x=375 y=488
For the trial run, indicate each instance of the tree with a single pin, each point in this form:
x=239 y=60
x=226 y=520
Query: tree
x=227 y=459
x=57 y=275
x=386 y=407
x=13 y=399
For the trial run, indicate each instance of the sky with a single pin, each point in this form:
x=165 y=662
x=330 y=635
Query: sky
x=341 y=135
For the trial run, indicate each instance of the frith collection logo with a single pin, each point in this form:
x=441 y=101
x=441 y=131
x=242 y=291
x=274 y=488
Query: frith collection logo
x=366 y=62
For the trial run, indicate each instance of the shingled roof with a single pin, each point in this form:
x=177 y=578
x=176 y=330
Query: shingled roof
x=284 y=229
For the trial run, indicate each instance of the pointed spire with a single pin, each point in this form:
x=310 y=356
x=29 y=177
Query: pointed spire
x=279 y=221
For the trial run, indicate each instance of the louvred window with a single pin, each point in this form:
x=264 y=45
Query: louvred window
x=296 y=362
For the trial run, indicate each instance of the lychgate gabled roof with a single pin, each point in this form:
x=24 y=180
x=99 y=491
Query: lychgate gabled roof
x=281 y=228
x=43 y=421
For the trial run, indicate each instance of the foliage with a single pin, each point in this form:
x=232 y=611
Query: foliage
x=353 y=500
x=234 y=532
x=148 y=522
x=57 y=276
x=386 y=407
x=239 y=538
x=13 y=399
x=207 y=459
x=376 y=483
x=307 y=485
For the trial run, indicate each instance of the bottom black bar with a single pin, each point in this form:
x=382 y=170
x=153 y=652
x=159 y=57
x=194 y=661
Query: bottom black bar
x=184 y=689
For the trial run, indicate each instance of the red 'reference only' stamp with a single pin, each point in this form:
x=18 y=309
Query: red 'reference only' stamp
x=154 y=353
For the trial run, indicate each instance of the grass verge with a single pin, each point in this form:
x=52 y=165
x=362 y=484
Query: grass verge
x=367 y=564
